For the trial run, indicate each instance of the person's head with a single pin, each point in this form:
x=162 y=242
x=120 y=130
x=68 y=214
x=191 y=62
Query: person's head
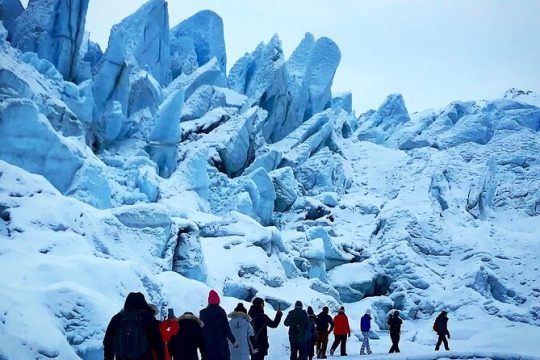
x=258 y=302
x=368 y=312
x=170 y=314
x=325 y=309
x=240 y=308
x=135 y=301
x=310 y=310
x=213 y=298
x=444 y=313
x=342 y=309
x=298 y=304
x=396 y=313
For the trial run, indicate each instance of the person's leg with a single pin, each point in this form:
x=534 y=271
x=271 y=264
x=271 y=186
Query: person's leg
x=363 y=348
x=445 y=342
x=318 y=345
x=343 y=347
x=334 y=344
x=302 y=351
x=367 y=343
x=397 y=342
x=439 y=341
x=294 y=350
x=324 y=344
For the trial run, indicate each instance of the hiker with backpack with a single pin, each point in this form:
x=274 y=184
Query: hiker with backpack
x=365 y=327
x=133 y=333
x=394 y=325
x=216 y=330
x=242 y=330
x=342 y=330
x=261 y=322
x=311 y=334
x=299 y=325
x=441 y=328
x=324 y=326
x=188 y=339
x=168 y=328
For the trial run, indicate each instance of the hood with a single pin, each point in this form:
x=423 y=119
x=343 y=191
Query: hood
x=239 y=314
x=192 y=318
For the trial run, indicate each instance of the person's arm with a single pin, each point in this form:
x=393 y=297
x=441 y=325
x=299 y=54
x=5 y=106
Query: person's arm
x=331 y=322
x=348 y=327
x=108 y=350
x=227 y=329
x=287 y=321
x=273 y=323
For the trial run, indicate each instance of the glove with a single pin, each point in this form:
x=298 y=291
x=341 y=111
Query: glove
x=449 y=335
x=279 y=312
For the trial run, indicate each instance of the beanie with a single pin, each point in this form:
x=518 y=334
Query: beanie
x=240 y=308
x=298 y=304
x=368 y=311
x=213 y=298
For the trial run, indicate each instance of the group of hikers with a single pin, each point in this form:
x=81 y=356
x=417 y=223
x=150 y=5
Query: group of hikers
x=135 y=333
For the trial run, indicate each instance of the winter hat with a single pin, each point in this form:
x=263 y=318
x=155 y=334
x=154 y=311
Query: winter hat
x=135 y=301
x=240 y=308
x=342 y=309
x=213 y=298
x=368 y=312
x=298 y=305
x=310 y=310
x=258 y=301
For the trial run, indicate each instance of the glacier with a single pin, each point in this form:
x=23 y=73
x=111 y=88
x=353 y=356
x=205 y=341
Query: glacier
x=151 y=163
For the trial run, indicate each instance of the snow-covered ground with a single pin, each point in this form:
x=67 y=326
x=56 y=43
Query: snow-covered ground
x=148 y=168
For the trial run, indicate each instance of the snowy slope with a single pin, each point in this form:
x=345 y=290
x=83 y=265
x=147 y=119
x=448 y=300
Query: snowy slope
x=155 y=172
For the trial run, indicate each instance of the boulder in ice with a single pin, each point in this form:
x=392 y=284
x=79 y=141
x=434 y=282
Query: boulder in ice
x=9 y=11
x=54 y=30
x=205 y=29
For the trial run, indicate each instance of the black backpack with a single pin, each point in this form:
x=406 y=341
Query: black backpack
x=130 y=341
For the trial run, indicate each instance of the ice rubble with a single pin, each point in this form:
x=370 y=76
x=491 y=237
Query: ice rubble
x=158 y=168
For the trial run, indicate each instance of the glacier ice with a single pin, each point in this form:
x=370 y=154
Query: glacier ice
x=9 y=11
x=54 y=30
x=204 y=31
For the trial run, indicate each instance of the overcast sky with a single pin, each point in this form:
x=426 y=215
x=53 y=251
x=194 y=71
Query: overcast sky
x=433 y=52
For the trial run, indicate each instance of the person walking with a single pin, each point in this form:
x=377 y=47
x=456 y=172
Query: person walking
x=133 y=333
x=299 y=325
x=188 y=339
x=311 y=334
x=242 y=330
x=261 y=322
x=342 y=330
x=324 y=326
x=365 y=327
x=168 y=329
x=216 y=330
x=441 y=327
x=394 y=325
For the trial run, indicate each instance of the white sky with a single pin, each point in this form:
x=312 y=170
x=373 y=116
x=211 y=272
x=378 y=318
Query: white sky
x=431 y=51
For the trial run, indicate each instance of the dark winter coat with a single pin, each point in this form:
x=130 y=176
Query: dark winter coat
x=441 y=324
x=261 y=322
x=365 y=323
x=311 y=336
x=216 y=333
x=135 y=302
x=184 y=345
x=394 y=324
x=323 y=321
x=299 y=325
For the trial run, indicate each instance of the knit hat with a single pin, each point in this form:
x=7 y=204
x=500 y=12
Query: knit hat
x=342 y=309
x=298 y=305
x=240 y=308
x=213 y=298
x=258 y=301
x=368 y=311
x=310 y=310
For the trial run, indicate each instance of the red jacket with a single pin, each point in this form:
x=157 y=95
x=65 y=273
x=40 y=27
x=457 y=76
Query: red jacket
x=168 y=329
x=341 y=324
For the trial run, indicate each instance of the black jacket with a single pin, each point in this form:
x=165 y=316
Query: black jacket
x=394 y=324
x=216 y=333
x=261 y=322
x=323 y=320
x=299 y=325
x=151 y=328
x=184 y=345
x=442 y=325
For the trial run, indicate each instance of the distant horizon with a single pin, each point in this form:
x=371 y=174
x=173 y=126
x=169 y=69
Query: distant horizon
x=432 y=53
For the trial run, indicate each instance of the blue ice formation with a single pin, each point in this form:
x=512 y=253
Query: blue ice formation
x=9 y=11
x=195 y=41
x=53 y=29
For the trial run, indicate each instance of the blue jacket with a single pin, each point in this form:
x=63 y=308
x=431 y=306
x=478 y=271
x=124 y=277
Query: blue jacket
x=365 y=323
